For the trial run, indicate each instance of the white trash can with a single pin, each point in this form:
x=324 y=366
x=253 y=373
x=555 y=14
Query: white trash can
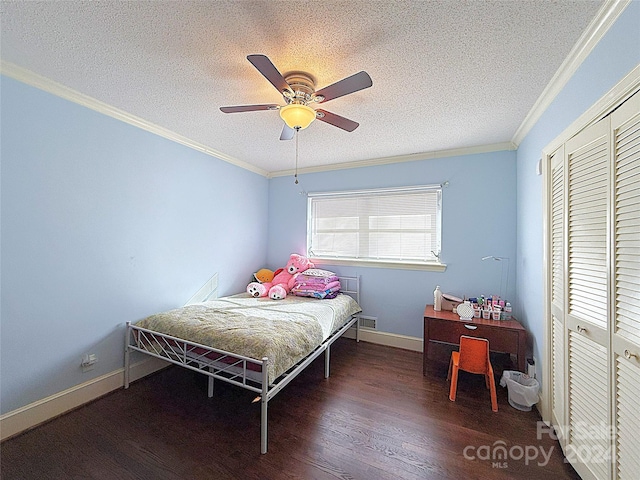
x=522 y=389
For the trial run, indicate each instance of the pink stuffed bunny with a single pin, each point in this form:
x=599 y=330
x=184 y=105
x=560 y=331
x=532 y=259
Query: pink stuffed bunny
x=283 y=281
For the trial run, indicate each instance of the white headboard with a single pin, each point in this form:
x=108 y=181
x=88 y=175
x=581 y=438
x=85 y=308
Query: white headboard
x=350 y=286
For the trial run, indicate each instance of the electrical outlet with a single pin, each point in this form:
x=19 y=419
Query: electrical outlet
x=532 y=368
x=88 y=362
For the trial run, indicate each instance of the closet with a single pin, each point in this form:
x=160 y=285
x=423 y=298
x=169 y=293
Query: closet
x=593 y=294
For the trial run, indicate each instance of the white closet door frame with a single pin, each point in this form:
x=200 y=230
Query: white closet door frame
x=601 y=339
x=615 y=97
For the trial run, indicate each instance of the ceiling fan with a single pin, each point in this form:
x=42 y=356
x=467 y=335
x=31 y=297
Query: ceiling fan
x=298 y=91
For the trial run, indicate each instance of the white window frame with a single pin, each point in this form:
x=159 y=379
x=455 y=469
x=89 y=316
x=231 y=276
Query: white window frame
x=432 y=263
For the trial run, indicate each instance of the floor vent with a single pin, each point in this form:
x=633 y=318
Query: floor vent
x=368 y=322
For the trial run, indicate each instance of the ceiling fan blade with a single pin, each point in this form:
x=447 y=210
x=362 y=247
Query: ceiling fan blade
x=287 y=132
x=249 y=108
x=345 y=86
x=337 y=121
x=271 y=73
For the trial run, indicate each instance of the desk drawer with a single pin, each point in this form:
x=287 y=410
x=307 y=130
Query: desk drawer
x=500 y=339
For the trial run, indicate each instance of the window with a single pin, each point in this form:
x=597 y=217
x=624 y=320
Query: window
x=399 y=226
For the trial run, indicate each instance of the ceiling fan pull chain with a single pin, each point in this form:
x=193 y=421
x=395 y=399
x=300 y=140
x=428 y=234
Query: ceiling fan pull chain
x=296 y=174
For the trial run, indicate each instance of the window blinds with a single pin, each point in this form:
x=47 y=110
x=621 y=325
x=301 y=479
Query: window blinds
x=382 y=225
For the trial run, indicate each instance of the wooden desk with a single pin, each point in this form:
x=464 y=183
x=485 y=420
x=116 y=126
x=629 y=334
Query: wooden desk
x=504 y=335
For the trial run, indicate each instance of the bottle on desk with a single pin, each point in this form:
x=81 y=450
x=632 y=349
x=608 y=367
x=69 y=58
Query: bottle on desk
x=437 y=299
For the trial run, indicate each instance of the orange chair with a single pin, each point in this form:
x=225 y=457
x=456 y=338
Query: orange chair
x=473 y=357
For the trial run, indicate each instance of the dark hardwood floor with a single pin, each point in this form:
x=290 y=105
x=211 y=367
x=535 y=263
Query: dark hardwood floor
x=376 y=417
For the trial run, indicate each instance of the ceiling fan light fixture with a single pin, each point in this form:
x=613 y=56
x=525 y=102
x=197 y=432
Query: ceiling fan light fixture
x=297 y=115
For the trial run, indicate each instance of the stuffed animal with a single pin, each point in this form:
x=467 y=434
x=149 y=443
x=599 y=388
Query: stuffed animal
x=265 y=275
x=283 y=281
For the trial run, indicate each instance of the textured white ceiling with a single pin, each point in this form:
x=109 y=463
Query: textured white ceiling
x=446 y=74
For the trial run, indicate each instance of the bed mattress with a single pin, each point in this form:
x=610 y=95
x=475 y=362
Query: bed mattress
x=284 y=331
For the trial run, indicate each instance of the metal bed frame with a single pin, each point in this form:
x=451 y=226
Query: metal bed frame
x=244 y=372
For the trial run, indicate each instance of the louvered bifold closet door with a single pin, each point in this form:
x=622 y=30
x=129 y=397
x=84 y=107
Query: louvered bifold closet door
x=589 y=442
x=586 y=320
x=588 y=167
x=556 y=246
x=625 y=123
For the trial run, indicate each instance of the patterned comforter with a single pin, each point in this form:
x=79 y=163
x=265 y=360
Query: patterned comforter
x=284 y=331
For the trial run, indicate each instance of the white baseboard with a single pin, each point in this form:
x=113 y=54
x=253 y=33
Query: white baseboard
x=24 y=418
x=29 y=416
x=388 y=339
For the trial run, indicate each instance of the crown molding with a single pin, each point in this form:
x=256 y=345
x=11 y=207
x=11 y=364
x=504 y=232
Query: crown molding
x=605 y=18
x=623 y=90
x=455 y=152
x=42 y=83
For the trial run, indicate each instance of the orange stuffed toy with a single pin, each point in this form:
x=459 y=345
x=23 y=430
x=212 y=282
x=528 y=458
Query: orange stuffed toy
x=265 y=275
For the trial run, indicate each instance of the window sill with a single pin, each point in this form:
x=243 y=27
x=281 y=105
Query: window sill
x=428 y=267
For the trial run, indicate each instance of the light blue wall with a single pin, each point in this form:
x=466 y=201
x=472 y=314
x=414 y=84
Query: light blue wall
x=479 y=219
x=102 y=223
x=613 y=58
